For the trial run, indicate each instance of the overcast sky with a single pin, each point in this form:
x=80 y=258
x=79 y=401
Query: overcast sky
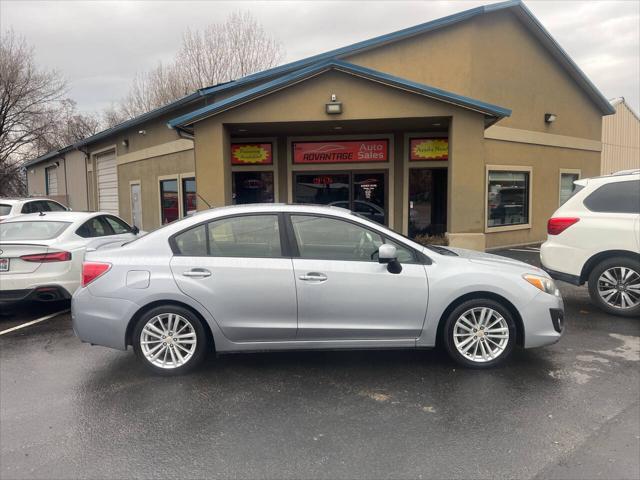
x=99 y=45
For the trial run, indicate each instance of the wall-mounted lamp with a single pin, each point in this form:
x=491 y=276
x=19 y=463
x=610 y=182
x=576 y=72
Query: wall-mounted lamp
x=57 y=164
x=125 y=143
x=550 y=117
x=334 y=107
x=142 y=132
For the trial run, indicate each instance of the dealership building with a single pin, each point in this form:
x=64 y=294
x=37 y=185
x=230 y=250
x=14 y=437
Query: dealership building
x=473 y=125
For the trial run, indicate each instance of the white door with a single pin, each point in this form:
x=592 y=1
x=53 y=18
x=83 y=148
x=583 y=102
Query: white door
x=51 y=174
x=344 y=293
x=136 y=205
x=235 y=268
x=107 y=176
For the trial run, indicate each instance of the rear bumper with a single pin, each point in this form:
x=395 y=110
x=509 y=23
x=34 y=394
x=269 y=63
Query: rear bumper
x=563 y=277
x=42 y=293
x=101 y=320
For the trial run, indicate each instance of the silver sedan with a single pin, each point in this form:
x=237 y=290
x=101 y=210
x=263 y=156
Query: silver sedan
x=283 y=277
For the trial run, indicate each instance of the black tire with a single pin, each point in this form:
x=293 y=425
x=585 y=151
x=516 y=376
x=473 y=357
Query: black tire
x=595 y=274
x=450 y=325
x=196 y=357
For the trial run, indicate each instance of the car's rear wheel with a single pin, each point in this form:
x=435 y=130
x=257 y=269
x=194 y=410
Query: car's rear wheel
x=614 y=286
x=479 y=333
x=170 y=340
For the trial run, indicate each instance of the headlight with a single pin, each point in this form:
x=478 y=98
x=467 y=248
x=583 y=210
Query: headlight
x=542 y=283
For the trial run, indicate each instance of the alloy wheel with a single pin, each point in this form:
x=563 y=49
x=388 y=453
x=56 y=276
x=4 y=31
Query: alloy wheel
x=168 y=340
x=481 y=334
x=619 y=287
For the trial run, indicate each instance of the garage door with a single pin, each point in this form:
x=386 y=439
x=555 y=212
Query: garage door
x=107 y=174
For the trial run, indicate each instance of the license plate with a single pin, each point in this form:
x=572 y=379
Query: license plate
x=4 y=264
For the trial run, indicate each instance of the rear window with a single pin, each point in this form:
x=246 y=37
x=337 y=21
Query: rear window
x=617 y=197
x=12 y=231
x=5 y=209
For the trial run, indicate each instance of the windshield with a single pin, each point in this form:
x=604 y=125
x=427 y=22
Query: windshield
x=4 y=209
x=30 y=230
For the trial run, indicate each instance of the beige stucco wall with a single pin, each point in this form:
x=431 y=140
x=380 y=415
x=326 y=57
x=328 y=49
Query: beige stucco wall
x=148 y=173
x=620 y=140
x=493 y=58
x=71 y=174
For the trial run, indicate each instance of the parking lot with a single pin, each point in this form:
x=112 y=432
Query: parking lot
x=571 y=410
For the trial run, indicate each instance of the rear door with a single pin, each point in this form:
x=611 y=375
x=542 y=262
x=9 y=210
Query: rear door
x=237 y=268
x=344 y=293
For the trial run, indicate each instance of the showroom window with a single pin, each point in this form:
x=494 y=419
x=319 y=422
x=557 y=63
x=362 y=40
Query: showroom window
x=252 y=172
x=178 y=197
x=508 y=198
x=567 y=188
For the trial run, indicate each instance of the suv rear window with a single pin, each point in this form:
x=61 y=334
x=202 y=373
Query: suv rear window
x=617 y=197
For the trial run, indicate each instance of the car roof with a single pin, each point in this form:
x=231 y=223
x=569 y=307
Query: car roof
x=277 y=207
x=55 y=217
x=614 y=177
x=15 y=200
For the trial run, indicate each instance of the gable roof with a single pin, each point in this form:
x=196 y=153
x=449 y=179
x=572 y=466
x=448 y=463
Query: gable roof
x=621 y=101
x=492 y=112
x=515 y=6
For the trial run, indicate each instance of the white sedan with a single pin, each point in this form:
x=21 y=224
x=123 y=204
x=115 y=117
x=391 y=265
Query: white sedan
x=41 y=254
x=11 y=207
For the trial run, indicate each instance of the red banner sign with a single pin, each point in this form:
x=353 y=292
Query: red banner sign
x=251 y=154
x=429 y=149
x=351 y=151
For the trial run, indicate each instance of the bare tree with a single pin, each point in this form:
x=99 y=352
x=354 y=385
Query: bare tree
x=219 y=53
x=29 y=108
x=68 y=126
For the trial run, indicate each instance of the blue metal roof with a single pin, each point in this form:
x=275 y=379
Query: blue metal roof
x=279 y=83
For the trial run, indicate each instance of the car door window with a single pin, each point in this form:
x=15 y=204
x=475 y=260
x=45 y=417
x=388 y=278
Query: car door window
x=333 y=239
x=118 y=226
x=94 y=227
x=55 y=207
x=245 y=236
x=29 y=207
x=250 y=236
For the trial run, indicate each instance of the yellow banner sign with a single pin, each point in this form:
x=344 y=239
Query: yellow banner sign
x=429 y=149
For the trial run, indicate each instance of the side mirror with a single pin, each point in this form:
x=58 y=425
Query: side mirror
x=387 y=254
x=135 y=230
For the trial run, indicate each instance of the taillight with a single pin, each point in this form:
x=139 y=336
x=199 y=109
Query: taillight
x=92 y=270
x=555 y=226
x=47 y=257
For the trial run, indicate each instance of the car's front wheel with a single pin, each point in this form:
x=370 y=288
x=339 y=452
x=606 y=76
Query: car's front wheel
x=479 y=333
x=614 y=286
x=170 y=340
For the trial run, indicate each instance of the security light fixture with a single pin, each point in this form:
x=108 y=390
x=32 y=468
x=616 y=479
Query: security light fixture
x=142 y=132
x=550 y=117
x=334 y=107
x=125 y=143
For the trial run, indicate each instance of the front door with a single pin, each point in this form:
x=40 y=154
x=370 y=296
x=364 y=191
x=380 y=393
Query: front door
x=427 y=202
x=235 y=268
x=361 y=192
x=344 y=293
x=136 y=205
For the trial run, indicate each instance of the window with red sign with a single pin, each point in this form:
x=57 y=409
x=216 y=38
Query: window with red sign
x=351 y=151
x=169 y=201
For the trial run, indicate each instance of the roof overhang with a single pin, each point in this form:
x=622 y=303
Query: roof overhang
x=492 y=113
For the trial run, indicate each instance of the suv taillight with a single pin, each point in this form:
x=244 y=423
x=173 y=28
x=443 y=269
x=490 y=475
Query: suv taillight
x=92 y=270
x=555 y=226
x=47 y=257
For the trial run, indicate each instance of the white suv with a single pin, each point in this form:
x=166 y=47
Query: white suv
x=595 y=237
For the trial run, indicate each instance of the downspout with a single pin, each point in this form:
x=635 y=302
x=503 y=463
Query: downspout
x=66 y=189
x=86 y=173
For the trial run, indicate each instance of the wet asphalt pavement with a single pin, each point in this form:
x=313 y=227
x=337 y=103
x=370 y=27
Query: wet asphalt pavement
x=69 y=410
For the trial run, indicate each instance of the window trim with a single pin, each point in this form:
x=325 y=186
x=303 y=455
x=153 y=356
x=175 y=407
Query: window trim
x=507 y=168
x=178 y=178
x=285 y=247
x=568 y=171
x=419 y=257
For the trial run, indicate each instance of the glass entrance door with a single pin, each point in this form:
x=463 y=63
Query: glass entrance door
x=427 y=201
x=361 y=192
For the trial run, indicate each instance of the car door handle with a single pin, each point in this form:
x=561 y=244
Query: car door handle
x=313 y=277
x=197 y=273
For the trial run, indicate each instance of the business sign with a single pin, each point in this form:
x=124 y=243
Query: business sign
x=351 y=151
x=429 y=149
x=251 y=154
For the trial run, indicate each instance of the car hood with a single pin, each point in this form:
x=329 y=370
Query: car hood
x=495 y=260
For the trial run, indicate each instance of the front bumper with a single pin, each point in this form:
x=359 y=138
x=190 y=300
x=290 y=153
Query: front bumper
x=543 y=320
x=101 y=320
